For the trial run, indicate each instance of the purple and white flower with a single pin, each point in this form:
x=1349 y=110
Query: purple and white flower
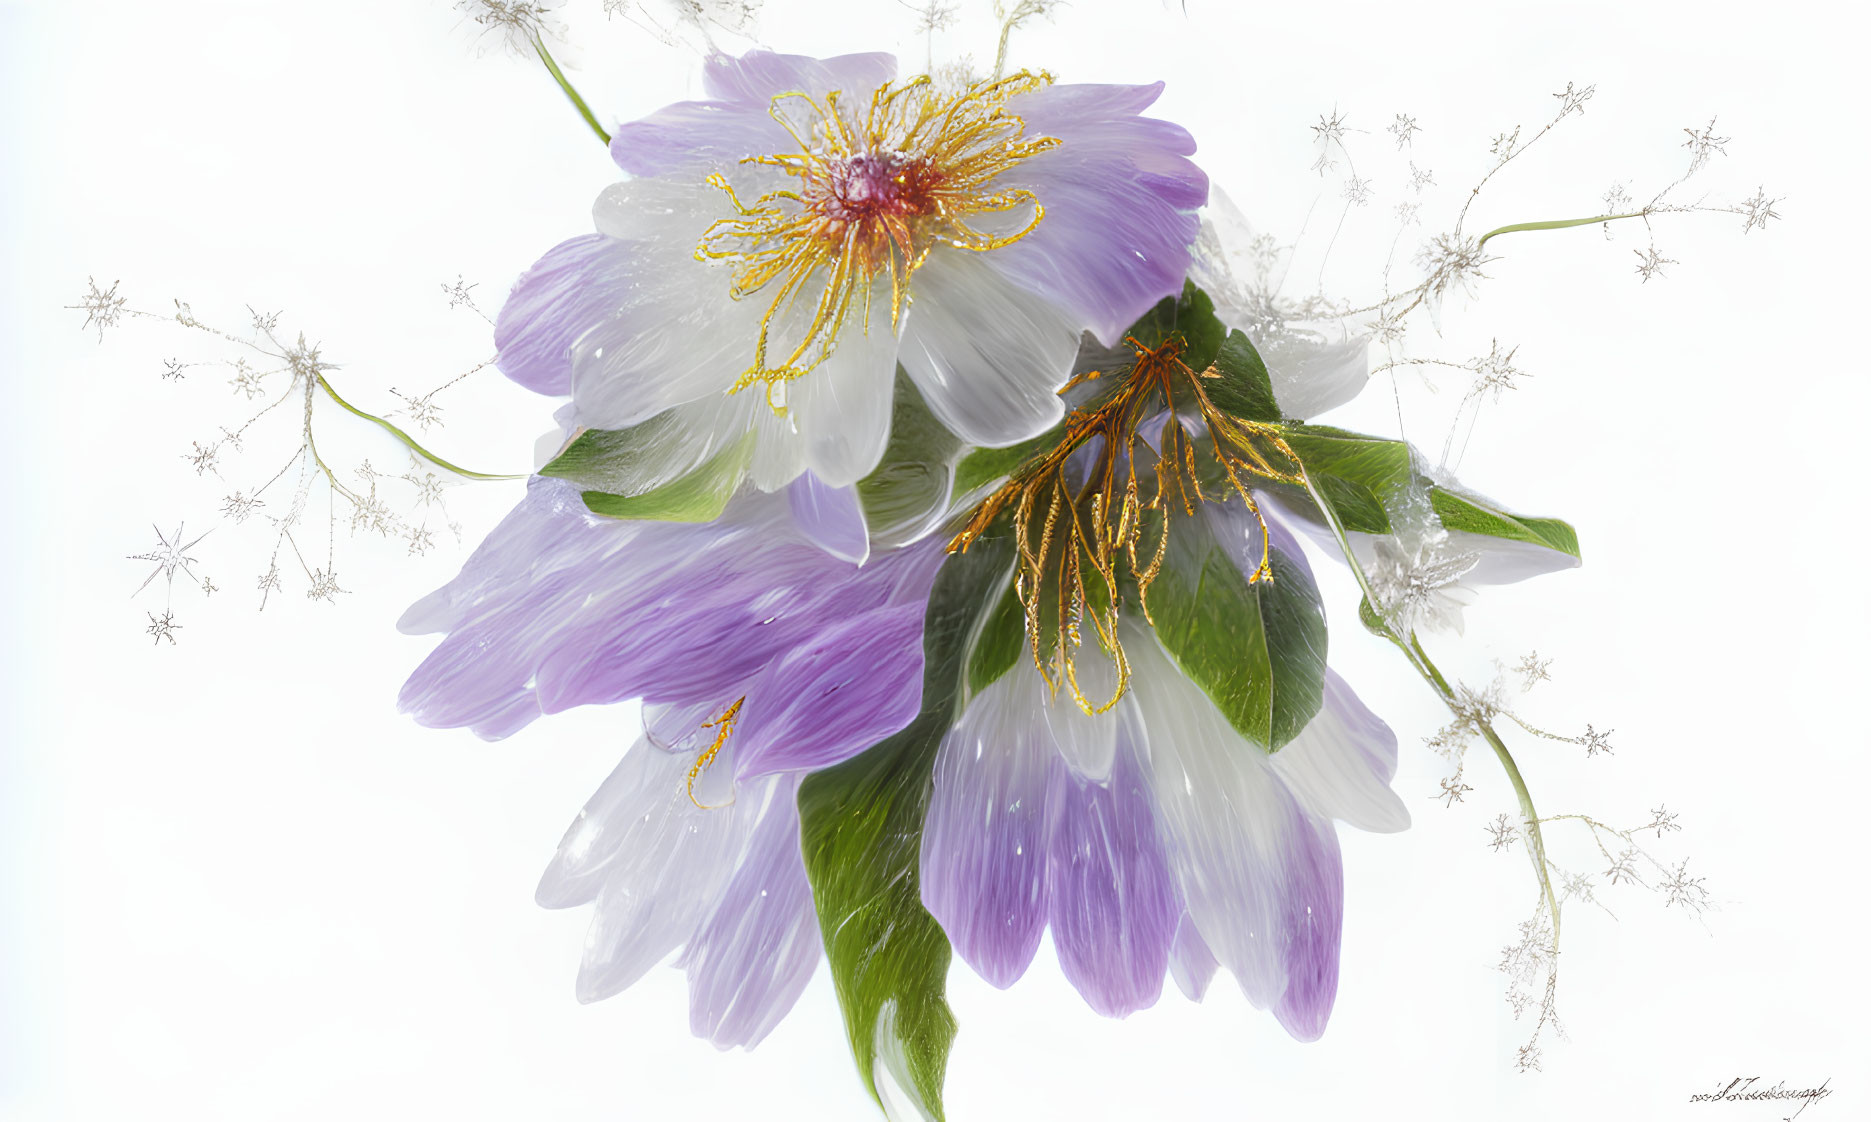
x=1153 y=838
x=758 y=656
x=813 y=224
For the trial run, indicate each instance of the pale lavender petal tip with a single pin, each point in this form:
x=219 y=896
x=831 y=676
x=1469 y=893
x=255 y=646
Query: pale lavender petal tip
x=1114 y=903
x=575 y=285
x=752 y=959
x=984 y=837
x=830 y=516
x=1312 y=922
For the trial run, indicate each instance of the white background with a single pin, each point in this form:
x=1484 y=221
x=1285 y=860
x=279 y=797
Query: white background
x=238 y=885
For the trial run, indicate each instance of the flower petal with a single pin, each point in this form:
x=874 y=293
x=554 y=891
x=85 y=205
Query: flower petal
x=831 y=517
x=1227 y=822
x=987 y=355
x=1191 y=963
x=1087 y=743
x=573 y=286
x=756 y=77
x=1119 y=195
x=983 y=845
x=754 y=956
x=1312 y=921
x=559 y=607
x=663 y=881
x=836 y=694
x=1113 y=903
x=615 y=819
x=841 y=408
x=1341 y=763
x=672 y=335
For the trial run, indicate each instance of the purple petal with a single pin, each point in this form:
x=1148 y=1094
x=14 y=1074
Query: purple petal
x=1119 y=195
x=1114 y=906
x=559 y=607
x=697 y=134
x=1191 y=963
x=983 y=848
x=1314 y=899
x=832 y=697
x=757 y=77
x=575 y=285
x=831 y=517
x=754 y=956
x=721 y=132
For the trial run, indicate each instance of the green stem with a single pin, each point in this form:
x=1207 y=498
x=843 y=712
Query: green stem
x=1418 y=658
x=565 y=84
x=1556 y=224
x=408 y=441
x=1536 y=840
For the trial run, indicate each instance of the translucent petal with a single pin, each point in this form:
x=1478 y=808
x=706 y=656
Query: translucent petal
x=984 y=838
x=987 y=355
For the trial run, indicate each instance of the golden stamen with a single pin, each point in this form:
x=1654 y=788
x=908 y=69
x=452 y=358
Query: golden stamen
x=877 y=190
x=1113 y=507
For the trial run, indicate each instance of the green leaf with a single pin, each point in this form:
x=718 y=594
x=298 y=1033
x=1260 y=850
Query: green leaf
x=1002 y=642
x=1472 y=514
x=699 y=496
x=912 y=480
x=1257 y=650
x=1244 y=389
x=861 y=830
x=986 y=465
x=655 y=470
x=1190 y=315
x=1359 y=473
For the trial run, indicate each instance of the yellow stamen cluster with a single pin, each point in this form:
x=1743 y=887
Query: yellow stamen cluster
x=876 y=190
x=1072 y=536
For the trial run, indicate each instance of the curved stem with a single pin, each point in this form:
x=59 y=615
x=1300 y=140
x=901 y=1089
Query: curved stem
x=1555 y=224
x=408 y=441
x=1418 y=658
x=1536 y=841
x=565 y=84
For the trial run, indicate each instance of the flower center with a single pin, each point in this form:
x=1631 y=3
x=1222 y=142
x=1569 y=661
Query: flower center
x=874 y=192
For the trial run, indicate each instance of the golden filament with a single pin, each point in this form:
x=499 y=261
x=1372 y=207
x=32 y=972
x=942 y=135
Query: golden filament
x=723 y=726
x=875 y=192
x=1113 y=505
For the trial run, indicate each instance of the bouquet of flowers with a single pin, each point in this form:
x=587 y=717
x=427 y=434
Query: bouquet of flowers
x=935 y=463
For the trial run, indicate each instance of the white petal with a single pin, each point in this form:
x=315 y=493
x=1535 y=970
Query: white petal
x=617 y=818
x=842 y=407
x=987 y=355
x=1341 y=763
x=1225 y=819
x=1088 y=743
x=1191 y=964
x=662 y=884
x=676 y=334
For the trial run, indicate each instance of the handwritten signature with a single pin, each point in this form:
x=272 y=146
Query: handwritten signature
x=1743 y=1089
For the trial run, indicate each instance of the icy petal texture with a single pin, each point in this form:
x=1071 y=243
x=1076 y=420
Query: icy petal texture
x=984 y=840
x=1119 y=194
x=559 y=607
x=1259 y=873
x=986 y=354
x=752 y=959
x=1113 y=903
